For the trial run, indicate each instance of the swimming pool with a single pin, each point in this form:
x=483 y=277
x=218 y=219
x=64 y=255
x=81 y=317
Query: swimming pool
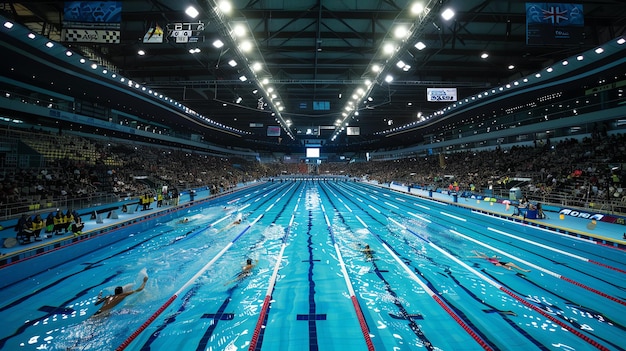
x=315 y=288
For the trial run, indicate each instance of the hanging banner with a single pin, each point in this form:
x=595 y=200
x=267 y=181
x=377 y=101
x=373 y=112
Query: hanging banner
x=441 y=94
x=154 y=34
x=92 y=21
x=554 y=23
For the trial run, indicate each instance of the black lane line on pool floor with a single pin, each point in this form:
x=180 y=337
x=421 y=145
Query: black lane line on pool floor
x=558 y=312
x=476 y=220
x=220 y=315
x=411 y=321
x=447 y=271
x=261 y=334
x=50 y=312
x=562 y=316
x=312 y=316
x=523 y=249
x=459 y=313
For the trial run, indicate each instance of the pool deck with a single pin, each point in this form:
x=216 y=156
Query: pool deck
x=602 y=233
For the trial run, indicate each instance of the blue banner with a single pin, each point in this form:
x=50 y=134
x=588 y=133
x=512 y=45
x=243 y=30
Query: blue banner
x=554 y=23
x=92 y=11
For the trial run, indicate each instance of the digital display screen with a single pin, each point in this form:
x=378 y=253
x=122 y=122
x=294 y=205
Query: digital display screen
x=312 y=152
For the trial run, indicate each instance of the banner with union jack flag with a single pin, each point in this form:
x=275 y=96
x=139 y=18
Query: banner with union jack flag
x=554 y=23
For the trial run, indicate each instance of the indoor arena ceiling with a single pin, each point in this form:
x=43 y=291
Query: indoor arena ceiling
x=316 y=57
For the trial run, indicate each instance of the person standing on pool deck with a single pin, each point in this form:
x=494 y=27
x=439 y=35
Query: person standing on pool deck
x=495 y=260
x=111 y=301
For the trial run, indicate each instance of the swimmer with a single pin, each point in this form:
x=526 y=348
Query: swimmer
x=184 y=220
x=369 y=253
x=246 y=271
x=111 y=301
x=495 y=261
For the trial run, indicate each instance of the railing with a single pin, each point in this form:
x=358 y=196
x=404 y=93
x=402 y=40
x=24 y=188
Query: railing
x=44 y=206
x=565 y=199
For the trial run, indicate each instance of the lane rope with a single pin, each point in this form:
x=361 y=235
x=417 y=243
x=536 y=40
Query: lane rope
x=268 y=295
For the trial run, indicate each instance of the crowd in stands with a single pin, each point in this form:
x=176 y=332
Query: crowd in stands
x=586 y=170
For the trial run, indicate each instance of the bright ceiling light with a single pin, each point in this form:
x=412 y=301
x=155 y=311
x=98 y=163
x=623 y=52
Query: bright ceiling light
x=388 y=79
x=484 y=55
x=375 y=68
x=621 y=41
x=218 y=44
x=225 y=6
x=8 y=25
x=192 y=12
x=400 y=32
x=31 y=35
x=389 y=48
x=257 y=66
x=239 y=30
x=243 y=78
x=246 y=46
x=232 y=63
x=141 y=52
x=49 y=44
x=400 y=64
x=599 y=50
x=417 y=8
x=511 y=66
x=580 y=57
x=447 y=14
x=420 y=45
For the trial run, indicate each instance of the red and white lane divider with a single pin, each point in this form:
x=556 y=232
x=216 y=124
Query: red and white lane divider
x=268 y=295
x=585 y=259
x=431 y=293
x=519 y=298
x=545 y=270
x=355 y=302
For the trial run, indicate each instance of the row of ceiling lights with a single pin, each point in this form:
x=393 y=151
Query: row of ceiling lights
x=238 y=32
x=244 y=47
x=8 y=25
x=401 y=33
x=505 y=88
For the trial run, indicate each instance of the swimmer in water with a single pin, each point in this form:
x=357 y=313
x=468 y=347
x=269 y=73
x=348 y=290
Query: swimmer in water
x=246 y=271
x=369 y=252
x=495 y=260
x=111 y=301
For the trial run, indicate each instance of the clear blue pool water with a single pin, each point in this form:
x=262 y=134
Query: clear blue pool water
x=422 y=288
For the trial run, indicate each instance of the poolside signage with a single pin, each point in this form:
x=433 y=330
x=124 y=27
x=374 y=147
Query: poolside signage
x=593 y=216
